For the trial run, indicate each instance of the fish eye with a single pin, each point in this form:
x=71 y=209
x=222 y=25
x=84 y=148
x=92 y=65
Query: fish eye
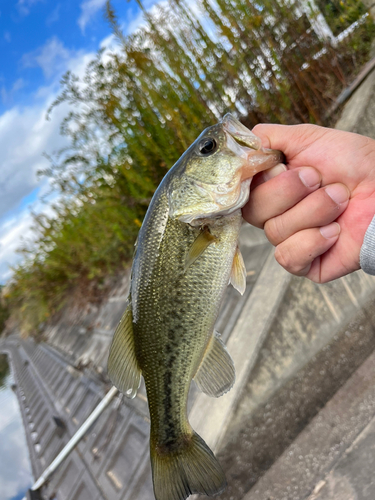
x=207 y=146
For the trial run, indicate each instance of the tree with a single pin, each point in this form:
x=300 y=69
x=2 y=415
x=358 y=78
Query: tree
x=137 y=110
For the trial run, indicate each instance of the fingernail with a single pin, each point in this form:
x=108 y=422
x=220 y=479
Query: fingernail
x=330 y=231
x=309 y=176
x=338 y=192
x=274 y=171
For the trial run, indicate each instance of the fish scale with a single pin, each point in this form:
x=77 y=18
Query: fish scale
x=178 y=340
x=186 y=254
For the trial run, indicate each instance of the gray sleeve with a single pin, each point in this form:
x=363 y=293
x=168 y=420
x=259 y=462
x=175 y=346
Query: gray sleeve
x=367 y=255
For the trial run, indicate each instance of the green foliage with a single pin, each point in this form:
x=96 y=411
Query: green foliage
x=361 y=41
x=4 y=310
x=4 y=369
x=340 y=14
x=137 y=110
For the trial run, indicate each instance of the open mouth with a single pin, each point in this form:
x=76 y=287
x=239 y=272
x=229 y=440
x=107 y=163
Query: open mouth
x=240 y=133
x=247 y=145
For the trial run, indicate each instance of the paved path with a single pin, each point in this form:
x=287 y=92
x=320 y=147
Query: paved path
x=294 y=344
x=111 y=462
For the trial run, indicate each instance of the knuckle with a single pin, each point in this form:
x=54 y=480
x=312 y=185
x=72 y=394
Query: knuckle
x=287 y=258
x=275 y=231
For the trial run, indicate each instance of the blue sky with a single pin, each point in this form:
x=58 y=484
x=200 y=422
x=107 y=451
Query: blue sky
x=39 y=41
x=38 y=37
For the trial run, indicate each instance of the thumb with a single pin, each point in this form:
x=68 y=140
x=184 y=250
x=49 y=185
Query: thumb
x=290 y=139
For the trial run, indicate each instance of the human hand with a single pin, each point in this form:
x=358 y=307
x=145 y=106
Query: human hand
x=330 y=177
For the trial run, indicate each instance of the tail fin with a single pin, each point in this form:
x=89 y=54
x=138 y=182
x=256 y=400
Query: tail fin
x=190 y=469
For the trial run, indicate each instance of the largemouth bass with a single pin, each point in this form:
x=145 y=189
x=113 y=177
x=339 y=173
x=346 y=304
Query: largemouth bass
x=186 y=255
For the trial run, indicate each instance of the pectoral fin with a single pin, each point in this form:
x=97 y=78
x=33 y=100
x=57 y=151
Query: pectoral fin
x=123 y=367
x=238 y=274
x=202 y=241
x=216 y=374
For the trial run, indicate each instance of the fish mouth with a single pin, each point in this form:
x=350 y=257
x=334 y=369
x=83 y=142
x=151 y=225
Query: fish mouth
x=240 y=133
x=242 y=142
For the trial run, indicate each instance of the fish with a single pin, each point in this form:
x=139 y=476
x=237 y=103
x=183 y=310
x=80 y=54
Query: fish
x=186 y=254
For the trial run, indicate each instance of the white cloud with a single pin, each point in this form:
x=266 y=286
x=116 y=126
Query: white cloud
x=78 y=63
x=134 y=22
x=7 y=37
x=51 y=57
x=8 y=95
x=18 y=229
x=24 y=135
x=54 y=59
x=108 y=42
x=89 y=8
x=54 y=15
x=12 y=232
x=24 y=6
x=18 y=84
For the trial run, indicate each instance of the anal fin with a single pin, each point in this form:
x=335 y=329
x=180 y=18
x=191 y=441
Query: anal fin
x=238 y=274
x=216 y=374
x=123 y=367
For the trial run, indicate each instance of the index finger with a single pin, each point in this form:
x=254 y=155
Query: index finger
x=290 y=139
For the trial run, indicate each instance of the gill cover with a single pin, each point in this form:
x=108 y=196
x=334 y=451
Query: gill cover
x=212 y=178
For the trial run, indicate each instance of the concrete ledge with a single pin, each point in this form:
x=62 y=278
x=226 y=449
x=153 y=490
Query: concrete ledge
x=358 y=113
x=265 y=424
x=341 y=437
